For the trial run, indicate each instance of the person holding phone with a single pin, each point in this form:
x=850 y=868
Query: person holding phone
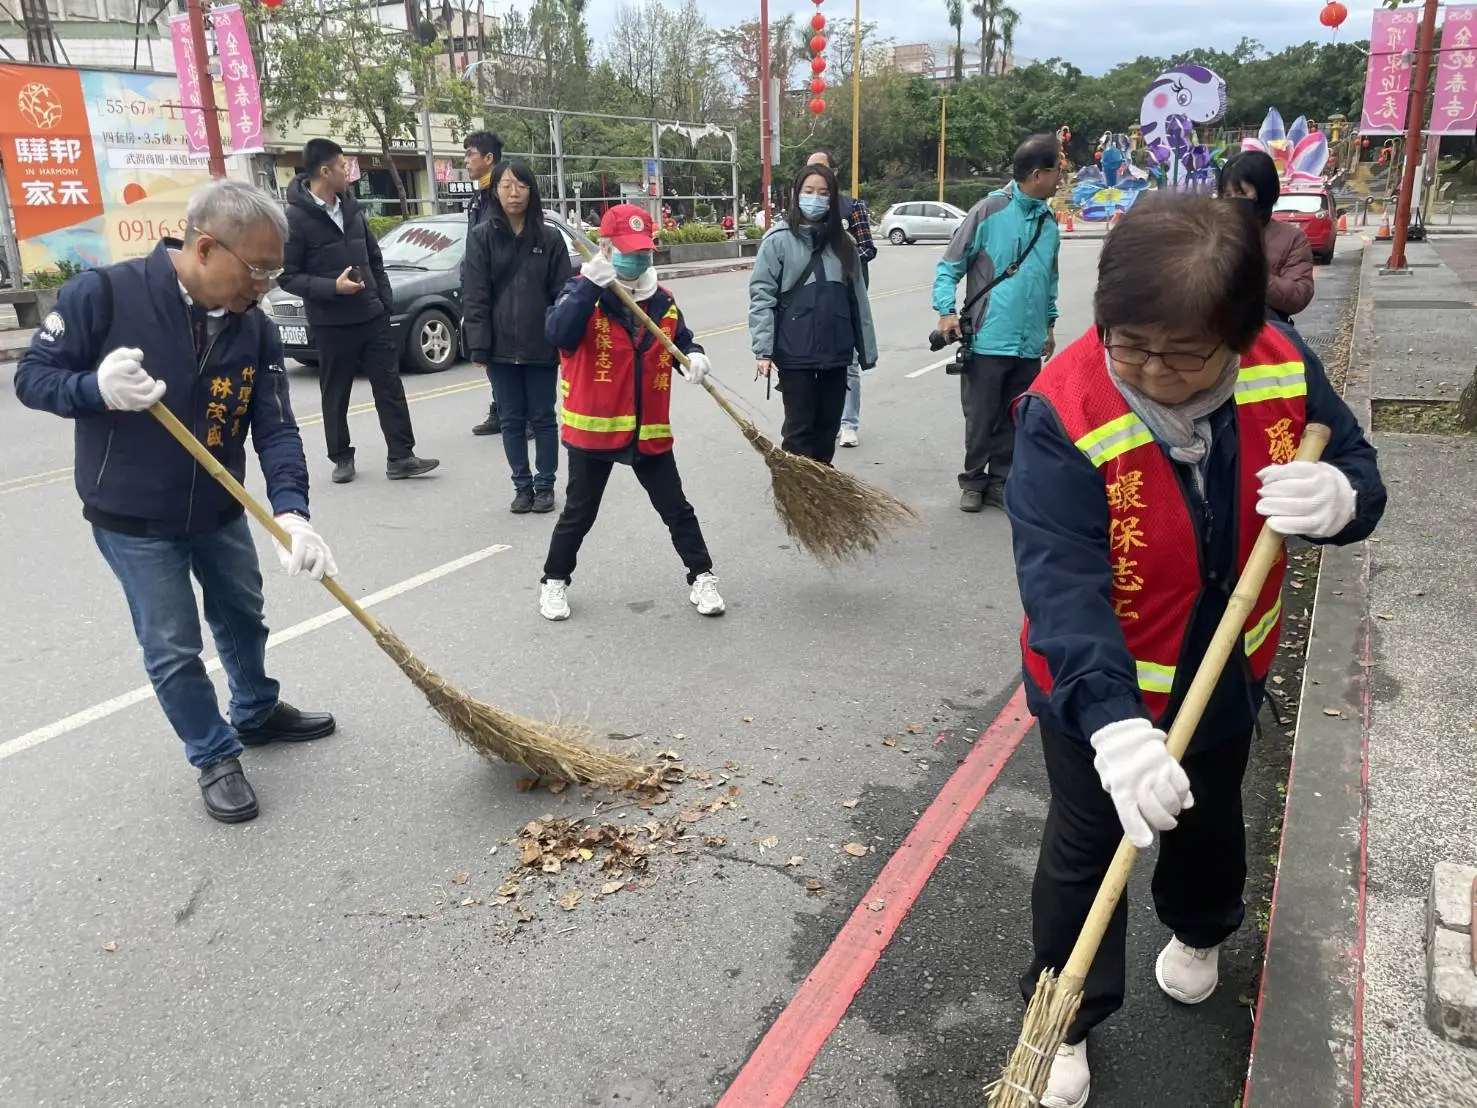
x=333 y=262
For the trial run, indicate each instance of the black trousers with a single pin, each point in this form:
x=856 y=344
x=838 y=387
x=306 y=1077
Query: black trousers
x=988 y=387
x=1198 y=880
x=588 y=476
x=341 y=351
x=814 y=401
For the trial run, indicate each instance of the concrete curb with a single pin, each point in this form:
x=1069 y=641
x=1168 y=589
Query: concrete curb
x=677 y=272
x=1307 y=1043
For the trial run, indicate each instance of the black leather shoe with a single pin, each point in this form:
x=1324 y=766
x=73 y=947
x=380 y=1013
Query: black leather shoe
x=286 y=724
x=971 y=500
x=522 y=502
x=412 y=466
x=227 y=793
x=491 y=425
x=543 y=500
x=343 y=472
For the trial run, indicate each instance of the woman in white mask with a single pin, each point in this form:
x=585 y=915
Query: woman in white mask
x=809 y=314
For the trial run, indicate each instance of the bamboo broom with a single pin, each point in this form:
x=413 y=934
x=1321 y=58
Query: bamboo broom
x=835 y=516
x=549 y=750
x=1054 y=1005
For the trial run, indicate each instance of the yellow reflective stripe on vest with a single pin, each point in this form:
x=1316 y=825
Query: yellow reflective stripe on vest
x=1107 y=442
x=1155 y=678
x=1270 y=382
x=1254 y=638
x=598 y=423
x=656 y=431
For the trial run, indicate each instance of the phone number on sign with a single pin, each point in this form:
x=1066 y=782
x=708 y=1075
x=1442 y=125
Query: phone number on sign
x=150 y=230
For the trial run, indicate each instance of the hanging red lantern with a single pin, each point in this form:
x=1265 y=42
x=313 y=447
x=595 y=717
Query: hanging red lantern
x=818 y=86
x=1364 y=143
x=817 y=106
x=817 y=21
x=1333 y=15
x=272 y=3
x=818 y=3
x=817 y=65
x=818 y=44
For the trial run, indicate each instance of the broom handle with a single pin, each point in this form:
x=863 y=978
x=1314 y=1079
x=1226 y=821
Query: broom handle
x=213 y=467
x=1248 y=587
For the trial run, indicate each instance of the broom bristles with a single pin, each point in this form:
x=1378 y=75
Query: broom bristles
x=549 y=750
x=1052 y=1009
x=833 y=515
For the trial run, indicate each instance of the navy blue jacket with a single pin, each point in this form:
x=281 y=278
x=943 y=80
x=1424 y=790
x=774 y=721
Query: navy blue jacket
x=1059 y=515
x=130 y=473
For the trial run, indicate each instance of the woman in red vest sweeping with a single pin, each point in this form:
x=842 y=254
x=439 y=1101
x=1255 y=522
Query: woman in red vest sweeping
x=1148 y=456
x=617 y=386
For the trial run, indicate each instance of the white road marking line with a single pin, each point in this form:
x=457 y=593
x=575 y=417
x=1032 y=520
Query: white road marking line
x=930 y=368
x=296 y=631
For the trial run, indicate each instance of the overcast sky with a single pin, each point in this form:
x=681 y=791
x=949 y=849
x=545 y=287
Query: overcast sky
x=1095 y=35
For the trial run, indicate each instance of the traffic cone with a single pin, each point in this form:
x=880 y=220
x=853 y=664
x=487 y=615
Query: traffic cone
x=1383 y=234
x=1071 y=223
x=1343 y=224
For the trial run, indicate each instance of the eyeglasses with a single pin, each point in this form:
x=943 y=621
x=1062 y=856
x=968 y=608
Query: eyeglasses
x=1180 y=361
x=257 y=274
x=511 y=184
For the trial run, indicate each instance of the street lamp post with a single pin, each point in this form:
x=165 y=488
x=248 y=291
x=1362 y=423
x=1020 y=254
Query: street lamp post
x=943 y=131
x=1413 y=148
x=766 y=109
x=856 y=99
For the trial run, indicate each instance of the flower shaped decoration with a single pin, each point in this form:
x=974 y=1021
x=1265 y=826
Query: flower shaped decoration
x=1301 y=154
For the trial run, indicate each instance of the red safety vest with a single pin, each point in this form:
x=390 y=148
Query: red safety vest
x=607 y=399
x=1153 y=548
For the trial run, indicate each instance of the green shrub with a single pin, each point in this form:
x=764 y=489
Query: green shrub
x=703 y=211
x=752 y=232
x=693 y=232
x=381 y=225
x=54 y=278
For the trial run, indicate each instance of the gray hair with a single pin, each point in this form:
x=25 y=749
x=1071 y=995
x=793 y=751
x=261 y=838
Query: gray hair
x=229 y=209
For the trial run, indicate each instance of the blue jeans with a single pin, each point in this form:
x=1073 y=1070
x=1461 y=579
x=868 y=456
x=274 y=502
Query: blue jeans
x=525 y=396
x=155 y=575
x=851 y=414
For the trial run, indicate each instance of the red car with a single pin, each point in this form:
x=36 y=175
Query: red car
x=1314 y=212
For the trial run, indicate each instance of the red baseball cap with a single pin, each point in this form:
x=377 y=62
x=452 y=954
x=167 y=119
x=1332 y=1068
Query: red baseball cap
x=628 y=228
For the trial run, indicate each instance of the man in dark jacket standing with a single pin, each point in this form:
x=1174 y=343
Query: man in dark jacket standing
x=333 y=262
x=181 y=328
x=482 y=150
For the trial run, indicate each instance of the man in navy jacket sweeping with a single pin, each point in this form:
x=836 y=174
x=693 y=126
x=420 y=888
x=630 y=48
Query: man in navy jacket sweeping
x=182 y=327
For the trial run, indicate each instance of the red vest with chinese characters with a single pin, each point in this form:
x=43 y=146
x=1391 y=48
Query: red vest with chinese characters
x=616 y=389
x=1153 y=545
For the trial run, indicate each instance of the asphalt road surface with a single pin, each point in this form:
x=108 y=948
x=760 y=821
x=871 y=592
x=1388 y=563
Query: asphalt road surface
x=348 y=947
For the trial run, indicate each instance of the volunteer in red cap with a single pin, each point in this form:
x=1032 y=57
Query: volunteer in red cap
x=616 y=387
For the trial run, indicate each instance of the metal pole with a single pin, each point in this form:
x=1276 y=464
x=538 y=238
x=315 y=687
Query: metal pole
x=943 y=130
x=1416 y=122
x=207 y=90
x=556 y=128
x=766 y=109
x=11 y=242
x=733 y=169
x=656 y=156
x=426 y=137
x=856 y=100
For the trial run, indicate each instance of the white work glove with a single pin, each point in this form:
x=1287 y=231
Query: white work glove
x=1148 y=787
x=698 y=367
x=1312 y=499
x=309 y=554
x=124 y=384
x=598 y=271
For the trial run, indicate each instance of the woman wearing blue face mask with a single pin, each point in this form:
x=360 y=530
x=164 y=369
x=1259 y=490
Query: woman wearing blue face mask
x=809 y=314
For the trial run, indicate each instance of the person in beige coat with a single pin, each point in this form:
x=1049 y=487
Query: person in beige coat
x=1251 y=178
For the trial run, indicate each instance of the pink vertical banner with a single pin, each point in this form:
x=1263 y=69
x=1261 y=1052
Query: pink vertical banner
x=189 y=86
x=238 y=74
x=1387 y=81
x=1454 y=107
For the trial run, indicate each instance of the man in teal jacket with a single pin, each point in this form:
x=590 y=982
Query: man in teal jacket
x=1007 y=247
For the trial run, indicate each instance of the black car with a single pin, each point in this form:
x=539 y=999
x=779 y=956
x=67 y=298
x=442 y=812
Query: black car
x=423 y=260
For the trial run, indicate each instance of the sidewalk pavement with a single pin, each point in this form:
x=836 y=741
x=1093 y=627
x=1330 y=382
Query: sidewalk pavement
x=677 y=271
x=1385 y=758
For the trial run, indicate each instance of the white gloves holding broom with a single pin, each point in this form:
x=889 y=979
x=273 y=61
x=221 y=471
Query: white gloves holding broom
x=309 y=553
x=698 y=367
x=1148 y=787
x=124 y=383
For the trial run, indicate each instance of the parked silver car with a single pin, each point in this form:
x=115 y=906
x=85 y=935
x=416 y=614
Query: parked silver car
x=920 y=221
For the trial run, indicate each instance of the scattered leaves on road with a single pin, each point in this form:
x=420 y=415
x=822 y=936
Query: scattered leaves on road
x=1332 y=712
x=570 y=900
x=460 y=879
x=111 y=947
x=852 y=803
x=915 y=728
x=889 y=740
x=812 y=886
x=796 y=860
x=856 y=850
x=876 y=905
x=767 y=844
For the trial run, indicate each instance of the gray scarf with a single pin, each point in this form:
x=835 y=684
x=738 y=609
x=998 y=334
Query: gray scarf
x=1184 y=428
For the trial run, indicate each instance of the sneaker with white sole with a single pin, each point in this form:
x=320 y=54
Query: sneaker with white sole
x=1187 y=974
x=848 y=437
x=553 y=601
x=1070 y=1080
x=705 y=595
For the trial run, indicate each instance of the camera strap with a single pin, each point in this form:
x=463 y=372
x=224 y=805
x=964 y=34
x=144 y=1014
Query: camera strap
x=1010 y=271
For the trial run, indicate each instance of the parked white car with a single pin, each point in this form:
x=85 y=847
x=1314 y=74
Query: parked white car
x=920 y=221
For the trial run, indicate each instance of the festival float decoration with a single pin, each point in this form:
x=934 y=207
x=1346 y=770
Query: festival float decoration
x=1300 y=153
x=1180 y=100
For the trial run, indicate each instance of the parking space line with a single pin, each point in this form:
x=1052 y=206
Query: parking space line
x=930 y=368
x=779 y=1063
x=296 y=631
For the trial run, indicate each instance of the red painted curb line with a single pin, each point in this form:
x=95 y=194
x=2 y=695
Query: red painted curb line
x=783 y=1057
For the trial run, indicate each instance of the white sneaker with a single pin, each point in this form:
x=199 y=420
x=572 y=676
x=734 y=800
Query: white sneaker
x=1070 y=1081
x=705 y=595
x=1186 y=974
x=848 y=437
x=553 y=601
